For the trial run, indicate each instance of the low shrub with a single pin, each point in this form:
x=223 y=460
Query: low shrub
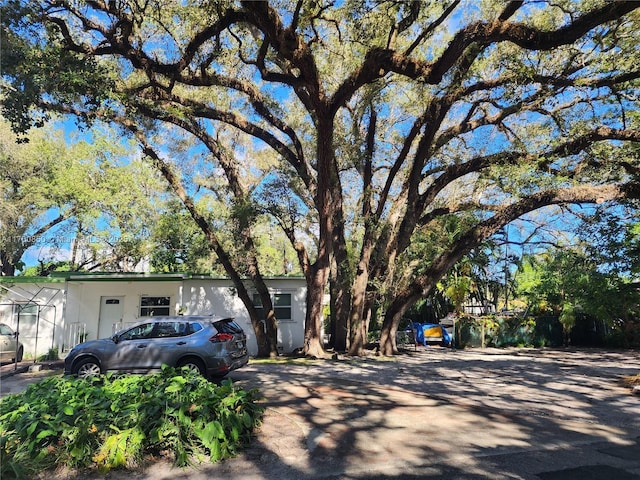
x=508 y=331
x=51 y=355
x=113 y=421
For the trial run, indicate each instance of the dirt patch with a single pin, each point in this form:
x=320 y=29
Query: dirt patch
x=630 y=381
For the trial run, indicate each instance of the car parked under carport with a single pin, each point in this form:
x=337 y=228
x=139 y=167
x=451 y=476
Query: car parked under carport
x=11 y=350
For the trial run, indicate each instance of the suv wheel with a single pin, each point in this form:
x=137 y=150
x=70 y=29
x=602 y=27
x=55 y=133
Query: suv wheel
x=87 y=367
x=193 y=364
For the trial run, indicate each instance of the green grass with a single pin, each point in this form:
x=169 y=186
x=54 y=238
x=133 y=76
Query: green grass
x=115 y=421
x=283 y=360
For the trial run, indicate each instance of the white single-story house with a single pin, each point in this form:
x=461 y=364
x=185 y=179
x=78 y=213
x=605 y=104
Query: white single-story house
x=65 y=309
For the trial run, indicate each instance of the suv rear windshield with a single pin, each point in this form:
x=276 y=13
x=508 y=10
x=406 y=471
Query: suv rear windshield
x=227 y=326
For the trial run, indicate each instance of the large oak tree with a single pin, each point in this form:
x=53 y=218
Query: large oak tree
x=374 y=121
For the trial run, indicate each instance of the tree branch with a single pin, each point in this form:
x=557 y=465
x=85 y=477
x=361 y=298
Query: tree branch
x=423 y=283
x=379 y=61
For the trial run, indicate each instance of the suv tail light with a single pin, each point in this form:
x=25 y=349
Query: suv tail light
x=221 y=337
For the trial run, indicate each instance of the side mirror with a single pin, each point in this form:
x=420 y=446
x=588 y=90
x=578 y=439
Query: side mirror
x=116 y=339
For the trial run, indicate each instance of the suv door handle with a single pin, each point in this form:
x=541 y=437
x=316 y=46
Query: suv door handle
x=181 y=343
x=142 y=346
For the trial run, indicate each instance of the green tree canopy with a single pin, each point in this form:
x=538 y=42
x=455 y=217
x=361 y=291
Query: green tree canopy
x=79 y=194
x=571 y=280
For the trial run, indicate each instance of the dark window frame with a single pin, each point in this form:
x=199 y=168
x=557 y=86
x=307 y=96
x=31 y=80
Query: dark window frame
x=154 y=306
x=283 y=311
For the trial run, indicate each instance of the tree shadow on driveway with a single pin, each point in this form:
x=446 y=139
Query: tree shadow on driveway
x=437 y=414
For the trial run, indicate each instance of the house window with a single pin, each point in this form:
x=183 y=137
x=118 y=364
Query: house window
x=155 y=306
x=281 y=305
x=28 y=313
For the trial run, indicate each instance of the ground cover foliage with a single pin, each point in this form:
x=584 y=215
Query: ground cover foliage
x=114 y=421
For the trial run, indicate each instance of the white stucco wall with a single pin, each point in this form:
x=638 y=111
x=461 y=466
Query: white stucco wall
x=84 y=297
x=217 y=297
x=190 y=296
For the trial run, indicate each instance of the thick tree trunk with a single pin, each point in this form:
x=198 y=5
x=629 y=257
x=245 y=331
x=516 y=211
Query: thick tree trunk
x=316 y=284
x=340 y=293
x=394 y=314
x=339 y=314
x=388 y=345
x=357 y=317
x=327 y=200
x=266 y=329
x=7 y=268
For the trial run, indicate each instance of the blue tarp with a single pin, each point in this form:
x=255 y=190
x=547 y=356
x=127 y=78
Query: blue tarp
x=421 y=328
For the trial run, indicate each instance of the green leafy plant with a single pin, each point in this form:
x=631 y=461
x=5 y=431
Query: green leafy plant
x=112 y=421
x=51 y=355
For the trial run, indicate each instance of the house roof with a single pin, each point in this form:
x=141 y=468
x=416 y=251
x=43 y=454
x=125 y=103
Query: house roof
x=61 y=277
x=29 y=279
x=130 y=277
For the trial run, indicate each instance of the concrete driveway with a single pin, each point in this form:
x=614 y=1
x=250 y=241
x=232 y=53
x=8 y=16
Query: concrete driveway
x=439 y=414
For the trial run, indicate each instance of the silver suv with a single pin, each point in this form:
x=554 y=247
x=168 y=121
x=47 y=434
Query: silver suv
x=211 y=346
